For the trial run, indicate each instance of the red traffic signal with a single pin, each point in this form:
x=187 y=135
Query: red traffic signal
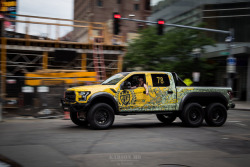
x=116 y=23
x=160 y=26
x=161 y=22
x=117 y=16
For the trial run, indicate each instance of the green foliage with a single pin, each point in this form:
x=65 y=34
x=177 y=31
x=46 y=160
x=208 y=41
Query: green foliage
x=169 y=52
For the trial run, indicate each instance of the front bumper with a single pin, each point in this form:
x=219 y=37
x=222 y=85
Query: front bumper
x=75 y=107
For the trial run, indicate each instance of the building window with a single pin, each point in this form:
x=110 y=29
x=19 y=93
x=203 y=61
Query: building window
x=119 y=1
x=147 y=5
x=136 y=7
x=99 y=3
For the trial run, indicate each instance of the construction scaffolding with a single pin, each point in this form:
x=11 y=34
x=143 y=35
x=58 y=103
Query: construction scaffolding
x=55 y=56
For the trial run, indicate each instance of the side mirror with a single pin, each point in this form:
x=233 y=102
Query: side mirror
x=126 y=85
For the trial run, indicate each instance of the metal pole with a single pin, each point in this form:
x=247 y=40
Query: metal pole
x=1 y=35
x=3 y=66
x=1 y=119
x=1 y=111
x=181 y=26
x=230 y=56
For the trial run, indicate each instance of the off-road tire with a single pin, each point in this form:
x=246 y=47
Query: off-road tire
x=192 y=115
x=101 y=116
x=216 y=114
x=166 y=119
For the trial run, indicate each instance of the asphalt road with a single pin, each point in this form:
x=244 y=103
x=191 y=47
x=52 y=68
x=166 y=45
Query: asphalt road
x=139 y=140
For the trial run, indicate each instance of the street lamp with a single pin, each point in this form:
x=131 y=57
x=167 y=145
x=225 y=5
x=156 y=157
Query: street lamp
x=231 y=61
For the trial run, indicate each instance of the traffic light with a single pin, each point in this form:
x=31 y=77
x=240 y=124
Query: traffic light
x=116 y=19
x=160 y=26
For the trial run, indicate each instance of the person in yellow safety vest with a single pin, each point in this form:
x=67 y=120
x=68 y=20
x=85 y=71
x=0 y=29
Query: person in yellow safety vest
x=188 y=81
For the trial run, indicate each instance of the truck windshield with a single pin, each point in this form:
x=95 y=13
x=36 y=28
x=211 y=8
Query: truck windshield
x=115 y=78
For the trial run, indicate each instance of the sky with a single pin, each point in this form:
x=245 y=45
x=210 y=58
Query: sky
x=50 y=8
x=47 y=8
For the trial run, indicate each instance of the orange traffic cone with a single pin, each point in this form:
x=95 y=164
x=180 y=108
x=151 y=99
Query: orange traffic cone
x=66 y=115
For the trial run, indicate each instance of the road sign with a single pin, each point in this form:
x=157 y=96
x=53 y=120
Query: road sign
x=231 y=61
x=8 y=6
x=196 y=76
x=224 y=53
x=231 y=65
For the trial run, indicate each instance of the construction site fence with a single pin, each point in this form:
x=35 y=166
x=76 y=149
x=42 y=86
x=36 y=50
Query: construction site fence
x=32 y=100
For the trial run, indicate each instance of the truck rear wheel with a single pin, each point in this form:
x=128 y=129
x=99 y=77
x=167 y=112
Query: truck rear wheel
x=77 y=120
x=166 y=119
x=192 y=115
x=101 y=116
x=216 y=114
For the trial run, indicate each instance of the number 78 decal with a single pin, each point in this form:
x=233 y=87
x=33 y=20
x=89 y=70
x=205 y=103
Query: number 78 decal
x=160 y=80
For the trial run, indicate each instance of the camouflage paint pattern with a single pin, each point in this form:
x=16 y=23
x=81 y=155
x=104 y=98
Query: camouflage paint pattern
x=158 y=99
x=183 y=91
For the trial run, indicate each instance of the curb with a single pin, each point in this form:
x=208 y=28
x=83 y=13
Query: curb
x=34 y=117
x=240 y=109
x=49 y=117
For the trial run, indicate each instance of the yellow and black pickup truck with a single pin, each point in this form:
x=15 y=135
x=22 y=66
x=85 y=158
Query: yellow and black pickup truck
x=146 y=92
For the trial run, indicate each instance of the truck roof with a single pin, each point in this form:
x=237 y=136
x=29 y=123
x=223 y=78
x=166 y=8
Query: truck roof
x=148 y=72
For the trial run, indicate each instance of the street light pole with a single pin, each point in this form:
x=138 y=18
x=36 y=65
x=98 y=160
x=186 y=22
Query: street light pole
x=231 y=61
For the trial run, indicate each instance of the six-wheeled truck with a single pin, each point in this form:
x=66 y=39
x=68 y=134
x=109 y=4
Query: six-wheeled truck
x=167 y=97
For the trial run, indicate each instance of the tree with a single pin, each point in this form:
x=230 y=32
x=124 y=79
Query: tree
x=170 y=52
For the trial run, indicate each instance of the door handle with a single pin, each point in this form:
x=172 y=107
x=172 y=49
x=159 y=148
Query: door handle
x=170 y=92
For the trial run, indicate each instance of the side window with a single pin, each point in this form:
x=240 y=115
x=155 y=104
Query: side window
x=136 y=7
x=160 y=80
x=99 y=3
x=134 y=79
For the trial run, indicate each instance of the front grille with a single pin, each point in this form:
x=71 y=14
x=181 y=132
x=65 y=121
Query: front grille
x=70 y=96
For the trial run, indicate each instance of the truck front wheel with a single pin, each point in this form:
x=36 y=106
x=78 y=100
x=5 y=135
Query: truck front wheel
x=100 y=116
x=216 y=114
x=192 y=115
x=166 y=119
x=77 y=120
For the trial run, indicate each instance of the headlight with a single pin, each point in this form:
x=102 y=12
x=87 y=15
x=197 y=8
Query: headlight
x=83 y=95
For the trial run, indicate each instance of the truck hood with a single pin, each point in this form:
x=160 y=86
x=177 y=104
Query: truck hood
x=92 y=88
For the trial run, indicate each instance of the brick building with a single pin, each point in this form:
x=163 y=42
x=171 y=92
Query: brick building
x=102 y=10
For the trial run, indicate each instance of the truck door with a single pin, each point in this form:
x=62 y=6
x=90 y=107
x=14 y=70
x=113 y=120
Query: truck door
x=162 y=92
x=135 y=98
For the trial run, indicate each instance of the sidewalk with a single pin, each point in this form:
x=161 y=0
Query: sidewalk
x=242 y=105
